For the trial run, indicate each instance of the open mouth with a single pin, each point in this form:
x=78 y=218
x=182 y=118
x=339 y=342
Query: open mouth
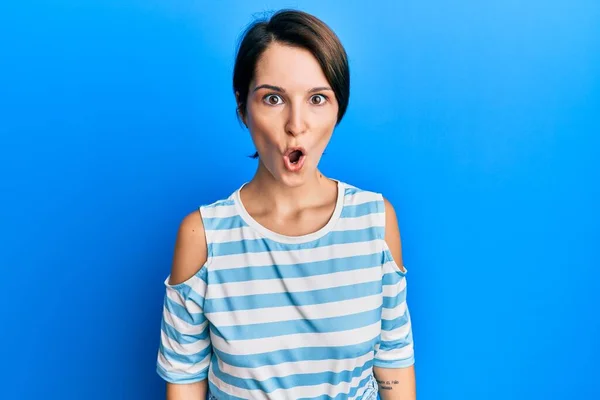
x=294 y=158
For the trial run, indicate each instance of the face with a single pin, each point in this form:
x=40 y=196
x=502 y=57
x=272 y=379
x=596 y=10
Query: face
x=291 y=113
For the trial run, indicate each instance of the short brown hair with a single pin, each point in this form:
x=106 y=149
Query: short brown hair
x=294 y=28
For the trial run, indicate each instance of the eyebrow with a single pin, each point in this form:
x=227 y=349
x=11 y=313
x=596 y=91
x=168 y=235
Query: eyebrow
x=282 y=90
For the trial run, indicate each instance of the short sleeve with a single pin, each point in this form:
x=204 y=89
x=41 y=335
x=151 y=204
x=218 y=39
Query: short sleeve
x=185 y=350
x=395 y=348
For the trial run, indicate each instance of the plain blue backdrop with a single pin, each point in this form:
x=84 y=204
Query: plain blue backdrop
x=478 y=120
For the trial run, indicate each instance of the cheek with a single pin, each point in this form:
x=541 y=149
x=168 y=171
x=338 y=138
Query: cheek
x=324 y=139
x=262 y=127
x=325 y=126
x=325 y=122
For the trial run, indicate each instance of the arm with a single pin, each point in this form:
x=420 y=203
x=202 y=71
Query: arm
x=188 y=391
x=396 y=383
x=189 y=256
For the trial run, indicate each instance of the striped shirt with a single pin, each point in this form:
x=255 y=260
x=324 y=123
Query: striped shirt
x=270 y=316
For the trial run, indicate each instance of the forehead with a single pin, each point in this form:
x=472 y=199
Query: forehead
x=289 y=67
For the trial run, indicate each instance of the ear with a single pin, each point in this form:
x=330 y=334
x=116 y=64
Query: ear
x=239 y=109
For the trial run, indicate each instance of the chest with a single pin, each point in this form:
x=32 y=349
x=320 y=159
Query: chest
x=333 y=303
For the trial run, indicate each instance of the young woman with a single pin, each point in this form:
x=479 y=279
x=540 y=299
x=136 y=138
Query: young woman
x=292 y=287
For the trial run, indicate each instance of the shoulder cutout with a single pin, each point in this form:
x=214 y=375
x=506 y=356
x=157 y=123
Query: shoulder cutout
x=190 y=249
x=392 y=235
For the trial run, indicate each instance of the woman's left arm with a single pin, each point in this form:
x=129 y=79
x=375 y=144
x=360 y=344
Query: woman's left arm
x=394 y=362
x=396 y=383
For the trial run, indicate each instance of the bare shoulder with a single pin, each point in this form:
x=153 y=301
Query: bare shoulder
x=190 y=249
x=392 y=234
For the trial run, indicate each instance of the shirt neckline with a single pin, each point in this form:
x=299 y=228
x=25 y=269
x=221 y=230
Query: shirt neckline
x=291 y=239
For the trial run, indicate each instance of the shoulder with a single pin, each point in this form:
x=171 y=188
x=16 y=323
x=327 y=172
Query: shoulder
x=386 y=216
x=392 y=233
x=355 y=195
x=391 y=221
x=190 y=249
x=191 y=246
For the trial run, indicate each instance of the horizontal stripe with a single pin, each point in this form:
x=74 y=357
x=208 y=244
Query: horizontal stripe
x=222 y=209
x=248 y=233
x=290 y=368
x=398 y=363
x=395 y=289
x=186 y=351
x=184 y=338
x=225 y=391
x=264 y=245
x=234 y=235
x=181 y=325
x=169 y=374
x=275 y=384
x=391 y=278
x=395 y=301
x=396 y=323
x=171 y=360
x=401 y=333
x=293 y=285
x=263 y=345
x=300 y=326
x=172 y=353
x=352 y=190
x=218 y=393
x=183 y=313
x=356 y=223
x=220 y=203
x=355 y=198
x=183 y=369
x=293 y=299
x=192 y=302
x=353 y=211
x=299 y=354
x=290 y=313
x=287 y=257
x=357 y=390
x=396 y=353
x=217 y=224
x=297 y=392
x=393 y=313
x=395 y=345
x=286 y=271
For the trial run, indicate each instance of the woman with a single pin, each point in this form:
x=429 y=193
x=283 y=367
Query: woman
x=292 y=287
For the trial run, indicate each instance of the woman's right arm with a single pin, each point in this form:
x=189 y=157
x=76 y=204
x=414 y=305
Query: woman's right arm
x=187 y=391
x=189 y=256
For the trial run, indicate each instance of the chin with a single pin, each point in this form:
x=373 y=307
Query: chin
x=291 y=179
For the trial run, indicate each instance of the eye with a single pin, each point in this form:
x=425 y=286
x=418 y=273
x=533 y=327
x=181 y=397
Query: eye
x=273 y=99
x=318 y=99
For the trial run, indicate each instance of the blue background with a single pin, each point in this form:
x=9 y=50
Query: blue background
x=478 y=120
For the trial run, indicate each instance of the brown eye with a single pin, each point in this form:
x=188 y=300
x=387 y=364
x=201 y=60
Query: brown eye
x=318 y=99
x=272 y=99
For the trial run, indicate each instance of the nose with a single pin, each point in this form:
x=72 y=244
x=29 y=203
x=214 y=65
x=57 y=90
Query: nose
x=296 y=123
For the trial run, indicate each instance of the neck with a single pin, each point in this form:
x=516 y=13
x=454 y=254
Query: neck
x=275 y=195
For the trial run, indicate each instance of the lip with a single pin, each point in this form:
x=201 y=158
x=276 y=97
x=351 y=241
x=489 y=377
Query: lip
x=286 y=159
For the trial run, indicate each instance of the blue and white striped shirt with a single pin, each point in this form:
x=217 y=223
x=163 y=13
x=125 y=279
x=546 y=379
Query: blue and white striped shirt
x=289 y=317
